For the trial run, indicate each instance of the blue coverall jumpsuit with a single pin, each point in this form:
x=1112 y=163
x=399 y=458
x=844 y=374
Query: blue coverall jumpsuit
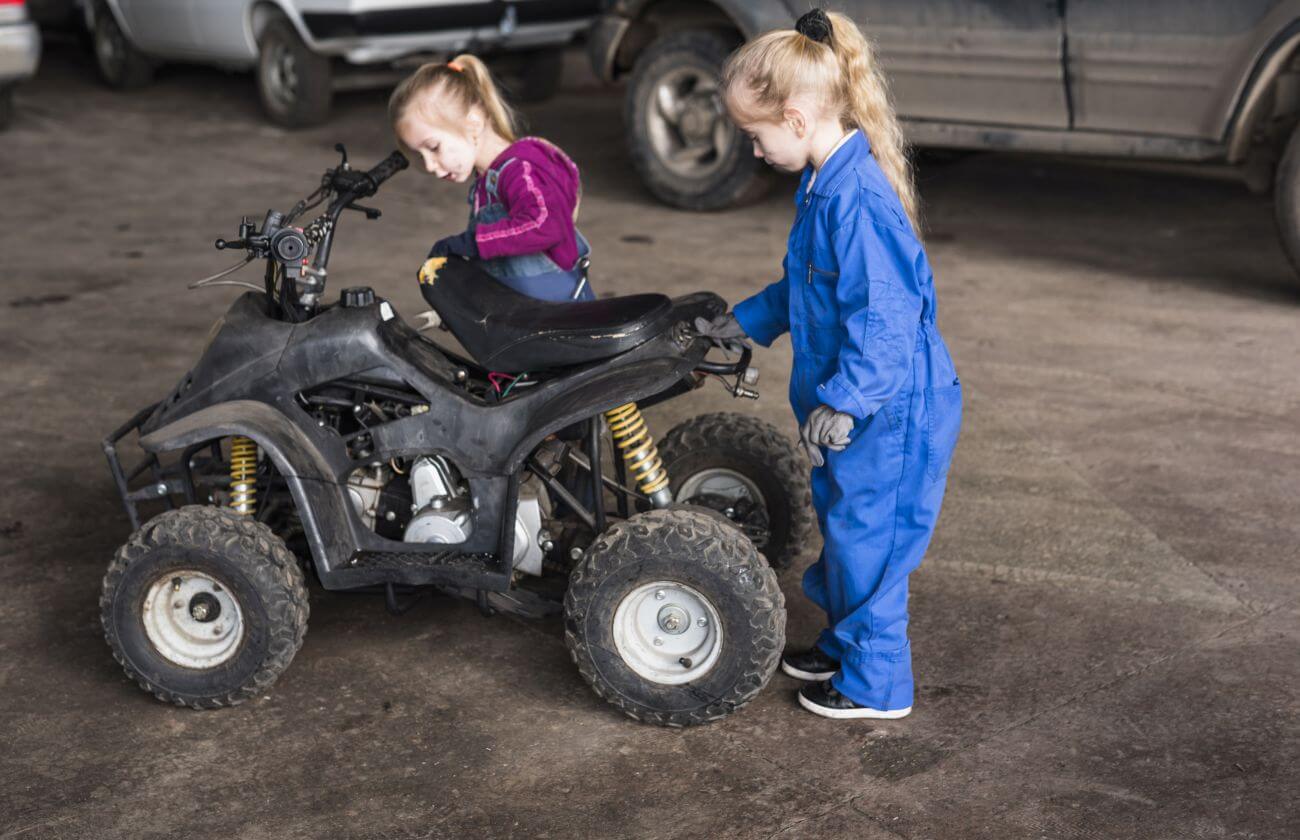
x=858 y=300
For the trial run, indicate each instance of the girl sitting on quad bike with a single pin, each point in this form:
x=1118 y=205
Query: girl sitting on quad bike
x=525 y=194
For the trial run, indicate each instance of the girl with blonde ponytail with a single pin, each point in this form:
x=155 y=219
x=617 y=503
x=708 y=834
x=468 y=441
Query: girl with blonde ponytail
x=873 y=386
x=525 y=192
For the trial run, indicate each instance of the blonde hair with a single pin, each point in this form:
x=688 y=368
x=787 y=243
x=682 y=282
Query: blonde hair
x=467 y=81
x=843 y=74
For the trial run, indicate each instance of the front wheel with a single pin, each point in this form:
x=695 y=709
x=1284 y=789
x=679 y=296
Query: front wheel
x=296 y=85
x=204 y=607
x=682 y=144
x=674 y=618
x=746 y=470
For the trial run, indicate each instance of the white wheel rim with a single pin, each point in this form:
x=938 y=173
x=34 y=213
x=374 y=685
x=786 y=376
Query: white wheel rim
x=667 y=632
x=719 y=481
x=733 y=486
x=192 y=619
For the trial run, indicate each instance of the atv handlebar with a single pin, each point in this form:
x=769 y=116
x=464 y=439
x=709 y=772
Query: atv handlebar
x=344 y=180
x=279 y=241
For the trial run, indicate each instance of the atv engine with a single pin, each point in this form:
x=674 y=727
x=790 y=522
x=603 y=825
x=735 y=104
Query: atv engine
x=440 y=505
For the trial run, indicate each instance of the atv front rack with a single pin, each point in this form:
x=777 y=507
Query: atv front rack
x=165 y=483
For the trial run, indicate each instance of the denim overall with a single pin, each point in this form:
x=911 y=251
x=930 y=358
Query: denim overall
x=535 y=275
x=858 y=300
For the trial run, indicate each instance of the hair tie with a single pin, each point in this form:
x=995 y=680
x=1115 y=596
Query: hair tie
x=454 y=66
x=814 y=25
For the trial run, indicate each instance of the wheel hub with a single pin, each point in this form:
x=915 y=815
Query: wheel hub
x=667 y=632
x=685 y=123
x=192 y=620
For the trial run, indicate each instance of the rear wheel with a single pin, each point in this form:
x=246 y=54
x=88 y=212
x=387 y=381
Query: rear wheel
x=682 y=144
x=203 y=607
x=745 y=469
x=674 y=618
x=120 y=64
x=296 y=85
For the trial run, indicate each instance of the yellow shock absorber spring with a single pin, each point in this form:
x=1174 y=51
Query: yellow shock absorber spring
x=633 y=438
x=243 y=475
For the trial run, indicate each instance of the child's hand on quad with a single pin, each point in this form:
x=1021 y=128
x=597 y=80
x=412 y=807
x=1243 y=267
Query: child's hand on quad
x=722 y=328
x=825 y=427
x=460 y=245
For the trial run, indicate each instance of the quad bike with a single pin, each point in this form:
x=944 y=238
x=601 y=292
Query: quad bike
x=334 y=439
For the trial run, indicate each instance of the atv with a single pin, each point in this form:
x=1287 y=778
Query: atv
x=332 y=438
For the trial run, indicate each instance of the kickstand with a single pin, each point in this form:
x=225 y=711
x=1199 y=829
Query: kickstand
x=396 y=607
x=483 y=605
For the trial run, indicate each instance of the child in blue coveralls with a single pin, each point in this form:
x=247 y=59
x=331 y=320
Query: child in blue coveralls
x=873 y=387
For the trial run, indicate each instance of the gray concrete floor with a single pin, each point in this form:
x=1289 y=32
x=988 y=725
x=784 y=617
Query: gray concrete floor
x=1105 y=630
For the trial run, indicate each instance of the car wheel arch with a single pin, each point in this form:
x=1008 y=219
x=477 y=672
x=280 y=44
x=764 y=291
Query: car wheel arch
x=651 y=19
x=262 y=12
x=1251 y=106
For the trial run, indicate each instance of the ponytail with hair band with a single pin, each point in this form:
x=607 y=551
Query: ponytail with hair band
x=827 y=55
x=467 y=81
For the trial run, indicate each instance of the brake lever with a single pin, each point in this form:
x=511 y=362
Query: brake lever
x=371 y=212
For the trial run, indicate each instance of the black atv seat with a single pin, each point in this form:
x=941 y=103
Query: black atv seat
x=510 y=332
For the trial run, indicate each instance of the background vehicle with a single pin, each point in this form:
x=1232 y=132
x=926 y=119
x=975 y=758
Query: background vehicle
x=1162 y=80
x=393 y=463
x=304 y=50
x=20 y=50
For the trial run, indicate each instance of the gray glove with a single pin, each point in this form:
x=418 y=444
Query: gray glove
x=825 y=427
x=722 y=328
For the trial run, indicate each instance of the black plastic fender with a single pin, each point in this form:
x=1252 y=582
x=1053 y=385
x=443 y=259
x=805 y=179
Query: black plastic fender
x=321 y=502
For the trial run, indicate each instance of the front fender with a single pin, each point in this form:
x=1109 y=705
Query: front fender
x=321 y=502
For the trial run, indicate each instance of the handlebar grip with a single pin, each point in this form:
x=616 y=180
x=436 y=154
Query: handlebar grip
x=388 y=167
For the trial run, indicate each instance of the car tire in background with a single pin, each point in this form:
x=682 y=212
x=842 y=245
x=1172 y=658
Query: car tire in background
x=683 y=146
x=120 y=64
x=531 y=76
x=295 y=85
x=6 y=106
x=1286 y=199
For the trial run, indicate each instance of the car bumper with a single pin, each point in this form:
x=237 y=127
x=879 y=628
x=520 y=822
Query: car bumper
x=20 y=51
x=602 y=44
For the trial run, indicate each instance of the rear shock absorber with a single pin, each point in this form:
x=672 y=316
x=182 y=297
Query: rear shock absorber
x=633 y=438
x=243 y=475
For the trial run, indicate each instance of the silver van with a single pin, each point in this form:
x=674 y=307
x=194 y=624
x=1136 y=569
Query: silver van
x=304 y=50
x=1171 y=80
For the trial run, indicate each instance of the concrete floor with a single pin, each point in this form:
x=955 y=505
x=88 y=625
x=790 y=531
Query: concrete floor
x=1105 y=630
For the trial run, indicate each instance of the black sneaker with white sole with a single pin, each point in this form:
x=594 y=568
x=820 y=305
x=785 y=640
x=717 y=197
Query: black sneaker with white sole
x=822 y=699
x=810 y=665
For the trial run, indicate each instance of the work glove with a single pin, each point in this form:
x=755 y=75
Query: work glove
x=825 y=427
x=460 y=245
x=429 y=271
x=721 y=329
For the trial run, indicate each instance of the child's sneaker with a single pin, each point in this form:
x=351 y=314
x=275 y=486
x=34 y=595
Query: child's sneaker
x=822 y=699
x=812 y=665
